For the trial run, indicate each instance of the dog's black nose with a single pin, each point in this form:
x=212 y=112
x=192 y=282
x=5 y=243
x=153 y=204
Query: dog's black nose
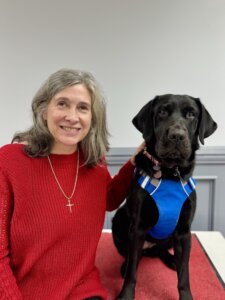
x=176 y=135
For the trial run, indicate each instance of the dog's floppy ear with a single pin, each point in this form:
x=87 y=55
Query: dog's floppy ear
x=206 y=123
x=143 y=121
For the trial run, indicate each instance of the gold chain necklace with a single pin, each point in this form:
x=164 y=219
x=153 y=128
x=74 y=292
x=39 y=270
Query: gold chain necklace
x=69 y=204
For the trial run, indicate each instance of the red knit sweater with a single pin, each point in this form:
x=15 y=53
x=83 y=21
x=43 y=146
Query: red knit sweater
x=46 y=252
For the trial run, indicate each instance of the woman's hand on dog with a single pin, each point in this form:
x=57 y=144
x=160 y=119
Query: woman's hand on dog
x=138 y=150
x=156 y=170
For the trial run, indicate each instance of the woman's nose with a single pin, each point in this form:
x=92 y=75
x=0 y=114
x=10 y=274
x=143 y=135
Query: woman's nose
x=72 y=115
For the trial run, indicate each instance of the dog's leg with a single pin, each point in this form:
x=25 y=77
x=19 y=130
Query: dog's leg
x=137 y=205
x=136 y=241
x=182 y=247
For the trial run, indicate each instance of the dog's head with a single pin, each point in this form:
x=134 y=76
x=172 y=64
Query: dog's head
x=172 y=125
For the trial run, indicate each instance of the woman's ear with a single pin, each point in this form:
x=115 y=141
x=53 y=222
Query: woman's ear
x=44 y=115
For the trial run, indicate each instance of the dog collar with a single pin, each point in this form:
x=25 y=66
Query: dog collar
x=156 y=167
x=149 y=156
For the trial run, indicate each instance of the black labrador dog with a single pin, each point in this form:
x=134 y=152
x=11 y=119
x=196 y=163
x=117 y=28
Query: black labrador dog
x=161 y=204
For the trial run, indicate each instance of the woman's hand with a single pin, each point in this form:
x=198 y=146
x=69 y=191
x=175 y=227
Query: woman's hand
x=139 y=149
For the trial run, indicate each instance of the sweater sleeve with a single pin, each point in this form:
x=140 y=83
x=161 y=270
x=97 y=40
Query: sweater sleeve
x=118 y=186
x=8 y=287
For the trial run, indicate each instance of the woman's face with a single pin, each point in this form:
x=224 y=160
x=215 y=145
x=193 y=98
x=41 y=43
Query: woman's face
x=68 y=117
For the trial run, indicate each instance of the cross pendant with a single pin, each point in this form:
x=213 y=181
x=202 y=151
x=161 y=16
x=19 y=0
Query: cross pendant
x=69 y=204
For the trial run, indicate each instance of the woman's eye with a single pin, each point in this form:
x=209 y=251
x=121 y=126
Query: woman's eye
x=190 y=115
x=83 y=108
x=61 y=103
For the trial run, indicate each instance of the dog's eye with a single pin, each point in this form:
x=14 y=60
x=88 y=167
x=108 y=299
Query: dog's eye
x=163 y=113
x=190 y=115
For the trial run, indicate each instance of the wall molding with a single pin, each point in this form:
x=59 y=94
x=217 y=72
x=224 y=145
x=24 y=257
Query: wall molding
x=211 y=182
x=205 y=155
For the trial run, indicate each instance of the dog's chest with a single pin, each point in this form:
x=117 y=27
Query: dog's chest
x=169 y=197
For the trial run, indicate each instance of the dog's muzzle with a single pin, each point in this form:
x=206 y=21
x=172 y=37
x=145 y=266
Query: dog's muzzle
x=177 y=134
x=174 y=145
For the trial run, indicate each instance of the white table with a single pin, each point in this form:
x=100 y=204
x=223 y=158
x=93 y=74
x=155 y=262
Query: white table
x=213 y=243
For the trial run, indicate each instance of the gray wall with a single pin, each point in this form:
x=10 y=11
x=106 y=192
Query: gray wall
x=209 y=174
x=136 y=48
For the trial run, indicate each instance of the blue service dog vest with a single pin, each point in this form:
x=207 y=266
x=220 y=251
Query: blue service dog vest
x=169 y=197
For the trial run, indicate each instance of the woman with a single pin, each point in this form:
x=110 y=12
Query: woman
x=54 y=191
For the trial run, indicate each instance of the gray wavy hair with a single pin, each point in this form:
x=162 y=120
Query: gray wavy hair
x=39 y=140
